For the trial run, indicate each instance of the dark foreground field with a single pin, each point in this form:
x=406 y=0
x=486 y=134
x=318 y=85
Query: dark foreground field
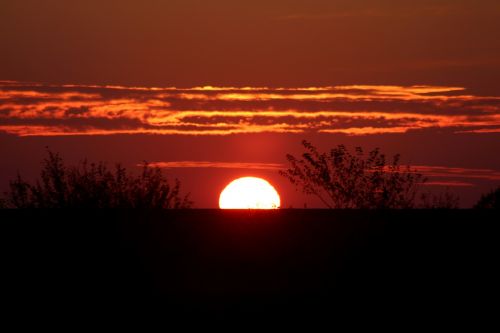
x=284 y=263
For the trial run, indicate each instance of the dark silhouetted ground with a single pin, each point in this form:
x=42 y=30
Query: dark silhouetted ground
x=285 y=263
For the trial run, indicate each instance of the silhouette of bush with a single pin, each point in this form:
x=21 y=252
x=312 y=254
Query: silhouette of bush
x=490 y=200
x=341 y=179
x=445 y=200
x=93 y=185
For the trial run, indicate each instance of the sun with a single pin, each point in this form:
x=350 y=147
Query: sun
x=249 y=193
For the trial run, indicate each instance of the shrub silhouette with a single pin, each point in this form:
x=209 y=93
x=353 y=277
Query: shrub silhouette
x=490 y=200
x=341 y=179
x=445 y=200
x=93 y=185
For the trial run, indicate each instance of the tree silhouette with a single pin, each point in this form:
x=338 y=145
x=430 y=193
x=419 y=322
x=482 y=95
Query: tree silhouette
x=490 y=200
x=444 y=200
x=341 y=179
x=93 y=185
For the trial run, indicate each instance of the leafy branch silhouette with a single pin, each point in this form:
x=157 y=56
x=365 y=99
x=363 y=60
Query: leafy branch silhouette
x=93 y=185
x=341 y=179
x=490 y=200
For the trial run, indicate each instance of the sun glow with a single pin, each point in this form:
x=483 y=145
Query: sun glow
x=249 y=193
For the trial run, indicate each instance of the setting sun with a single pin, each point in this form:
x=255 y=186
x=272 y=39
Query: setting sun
x=249 y=193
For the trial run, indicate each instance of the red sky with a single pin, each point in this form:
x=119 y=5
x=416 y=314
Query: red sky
x=212 y=90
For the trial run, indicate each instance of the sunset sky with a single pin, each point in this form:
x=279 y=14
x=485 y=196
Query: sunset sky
x=215 y=90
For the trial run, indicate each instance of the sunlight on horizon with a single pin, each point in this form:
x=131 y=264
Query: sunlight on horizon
x=249 y=193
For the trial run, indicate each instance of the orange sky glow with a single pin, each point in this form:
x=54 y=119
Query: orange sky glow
x=215 y=90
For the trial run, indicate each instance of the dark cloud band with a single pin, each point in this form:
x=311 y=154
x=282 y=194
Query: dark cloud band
x=44 y=110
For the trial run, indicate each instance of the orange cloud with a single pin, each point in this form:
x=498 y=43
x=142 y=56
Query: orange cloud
x=448 y=184
x=36 y=109
x=450 y=172
x=437 y=175
x=223 y=165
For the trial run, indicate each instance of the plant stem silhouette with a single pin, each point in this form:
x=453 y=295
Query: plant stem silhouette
x=341 y=179
x=93 y=185
x=490 y=200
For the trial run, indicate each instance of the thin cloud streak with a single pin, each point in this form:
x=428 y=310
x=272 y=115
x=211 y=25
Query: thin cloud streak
x=442 y=171
x=351 y=110
x=221 y=165
x=438 y=175
x=449 y=184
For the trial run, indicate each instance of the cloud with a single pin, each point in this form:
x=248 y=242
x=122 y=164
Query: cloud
x=437 y=175
x=32 y=109
x=449 y=184
x=222 y=165
x=450 y=172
